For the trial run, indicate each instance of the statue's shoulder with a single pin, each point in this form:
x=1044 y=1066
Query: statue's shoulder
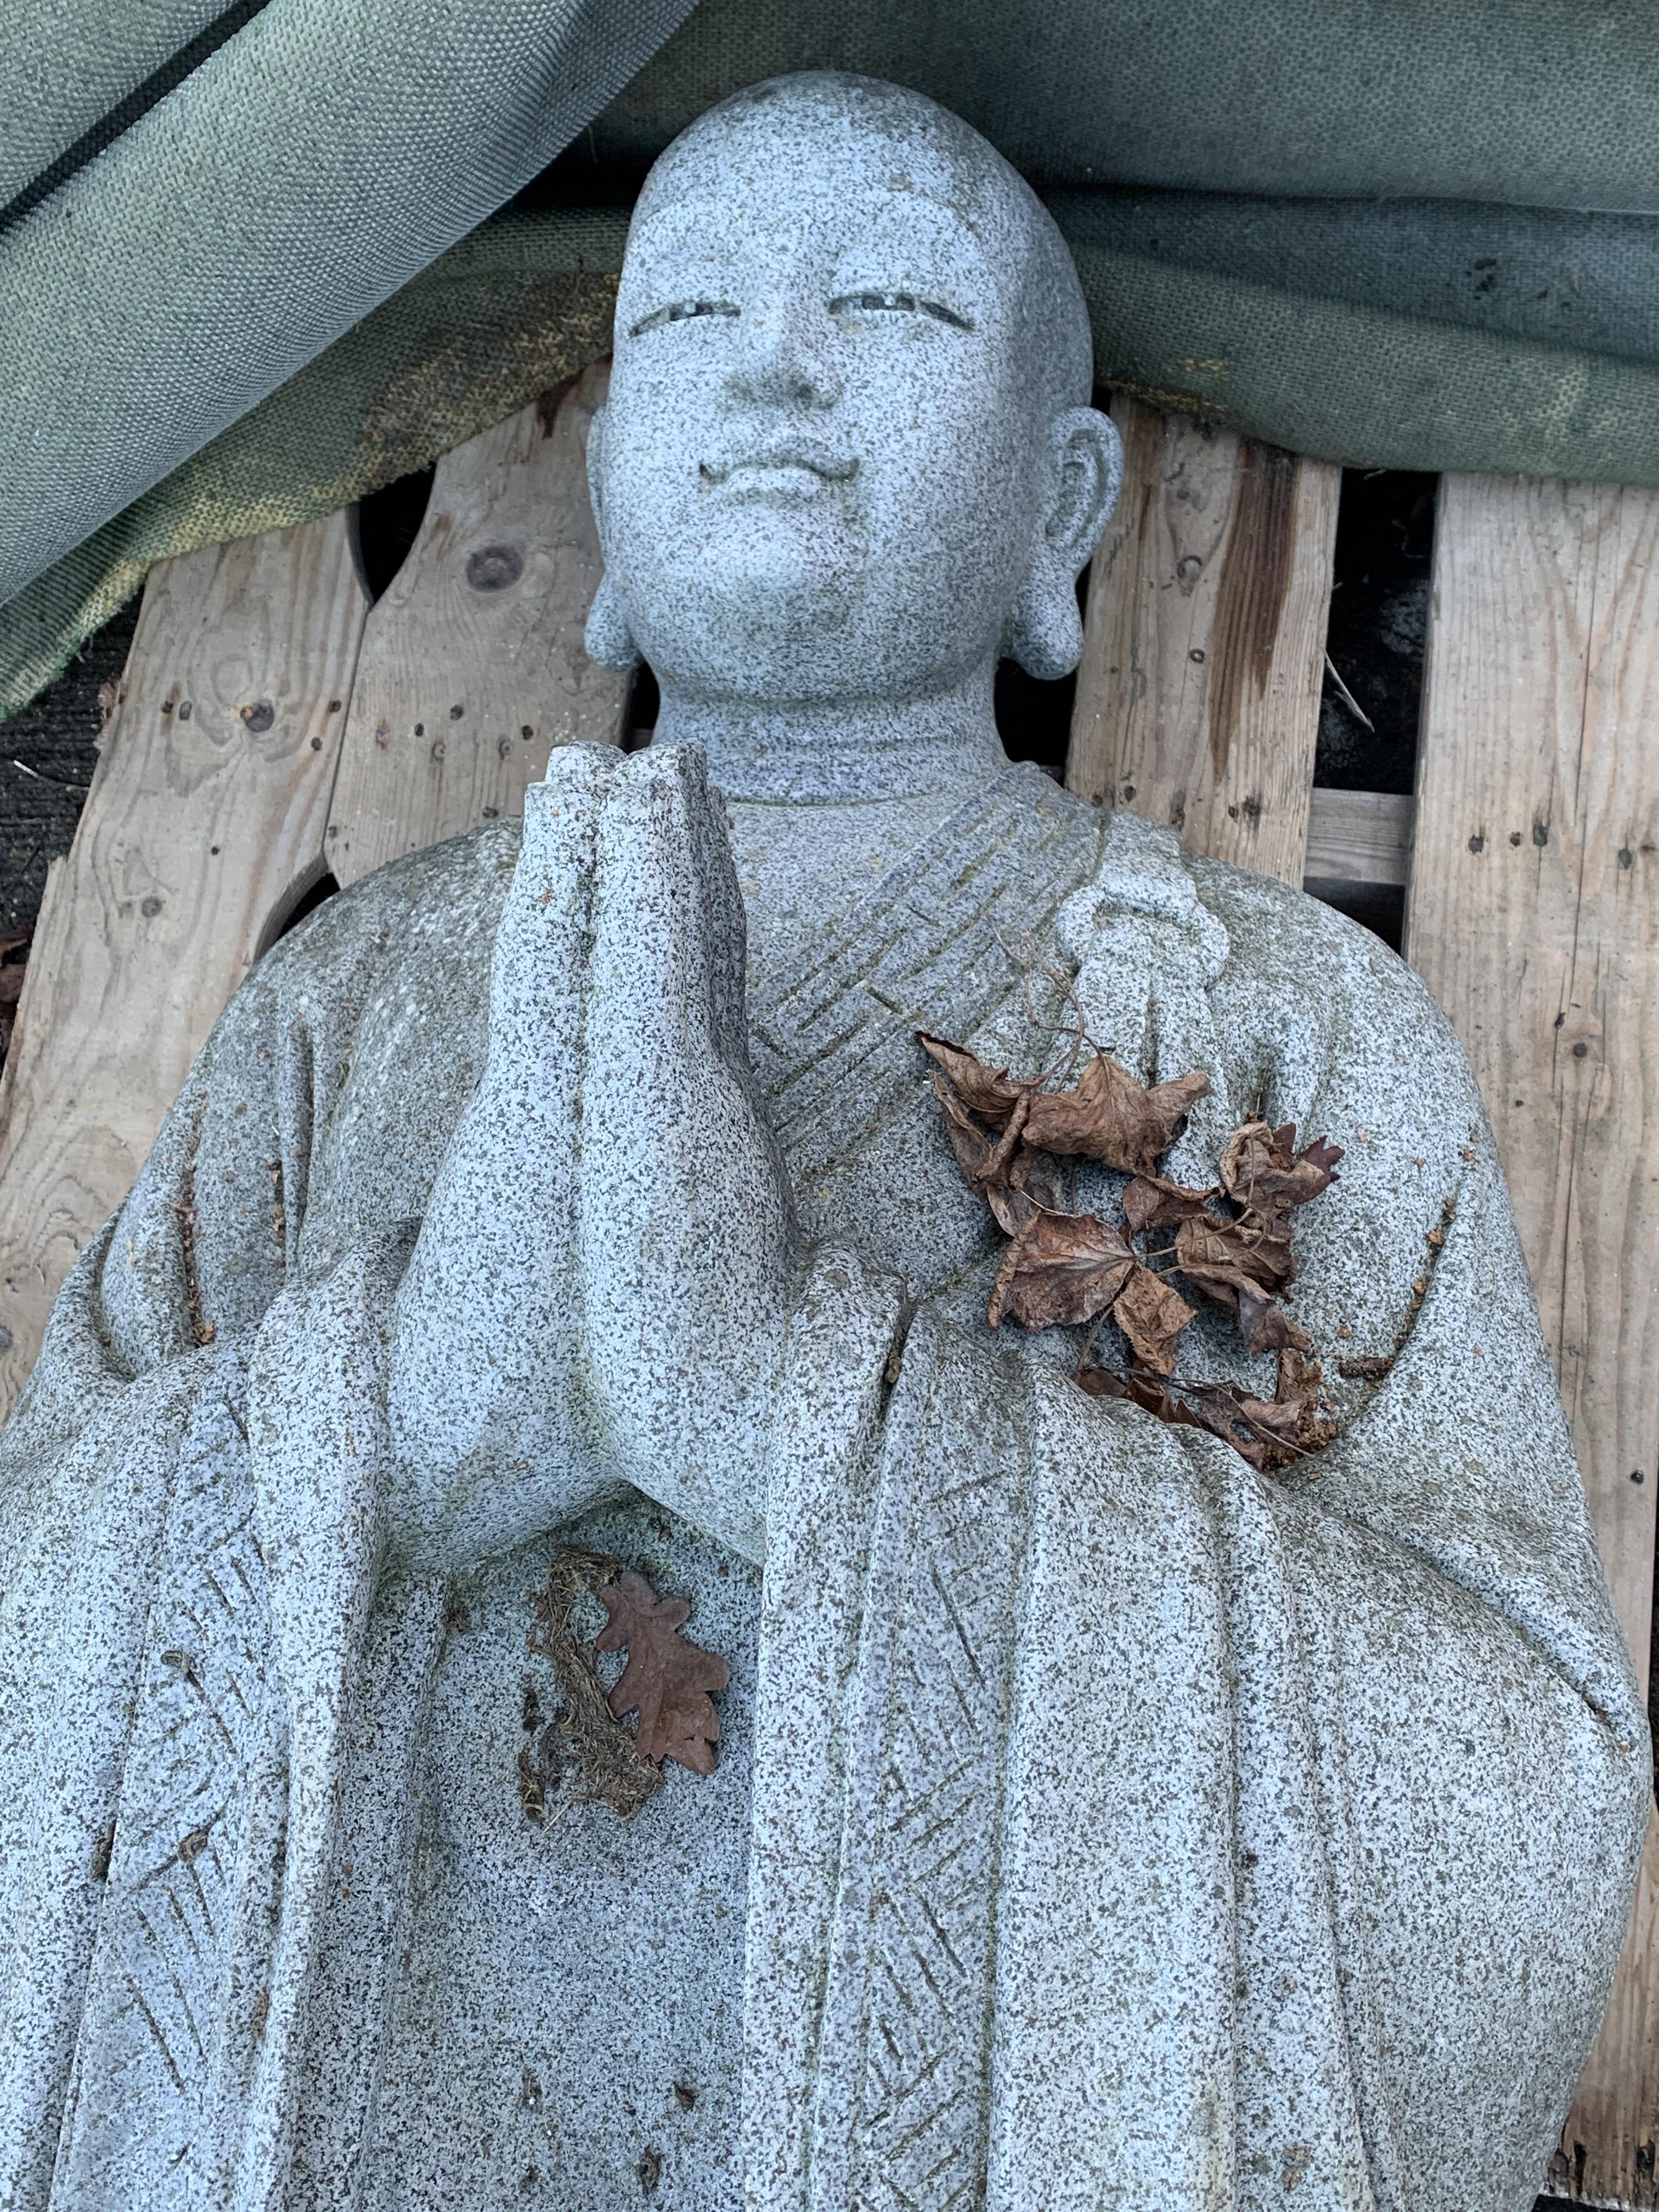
x=419 y=923
x=1289 y=950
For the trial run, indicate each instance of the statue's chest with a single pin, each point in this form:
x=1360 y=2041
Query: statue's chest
x=569 y=2024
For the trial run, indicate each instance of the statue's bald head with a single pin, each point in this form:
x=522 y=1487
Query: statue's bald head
x=849 y=440
x=824 y=120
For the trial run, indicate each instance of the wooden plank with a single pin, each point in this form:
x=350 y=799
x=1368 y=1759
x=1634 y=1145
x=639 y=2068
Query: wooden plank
x=204 y=820
x=1534 y=914
x=1204 y=643
x=472 y=667
x=1358 y=837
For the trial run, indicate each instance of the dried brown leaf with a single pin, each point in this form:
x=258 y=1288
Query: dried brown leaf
x=1111 y=1116
x=990 y=1092
x=1222 y=1257
x=1262 y=1171
x=1012 y=1184
x=1216 y=1408
x=668 y=1680
x=609 y=1769
x=1269 y=1435
x=1365 y=1367
x=1060 y=1270
x=1264 y=1324
x=1152 y=1316
x=1149 y=1202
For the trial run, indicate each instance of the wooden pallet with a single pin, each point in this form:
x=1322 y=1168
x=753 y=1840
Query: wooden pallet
x=272 y=728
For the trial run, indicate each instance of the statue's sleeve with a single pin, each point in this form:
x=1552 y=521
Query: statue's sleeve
x=1327 y=1790
x=1205 y=1837
x=126 y=1486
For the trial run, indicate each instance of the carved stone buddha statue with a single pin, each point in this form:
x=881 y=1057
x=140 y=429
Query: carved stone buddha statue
x=559 y=1262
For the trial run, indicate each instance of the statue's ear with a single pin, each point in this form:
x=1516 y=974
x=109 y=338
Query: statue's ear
x=1045 y=631
x=607 y=639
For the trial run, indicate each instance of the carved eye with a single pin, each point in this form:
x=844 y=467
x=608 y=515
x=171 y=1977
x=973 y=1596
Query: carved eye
x=898 y=303
x=682 y=311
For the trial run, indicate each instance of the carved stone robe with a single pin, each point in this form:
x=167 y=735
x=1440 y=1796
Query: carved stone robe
x=1098 y=1822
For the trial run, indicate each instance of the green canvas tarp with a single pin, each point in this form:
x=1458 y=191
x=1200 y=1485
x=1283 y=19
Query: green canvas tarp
x=254 y=263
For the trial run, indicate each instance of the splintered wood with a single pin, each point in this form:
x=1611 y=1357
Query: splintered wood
x=472 y=665
x=205 y=816
x=1198 y=696
x=1534 y=915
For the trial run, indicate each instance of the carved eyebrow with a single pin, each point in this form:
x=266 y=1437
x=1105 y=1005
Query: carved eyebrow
x=907 y=303
x=681 y=311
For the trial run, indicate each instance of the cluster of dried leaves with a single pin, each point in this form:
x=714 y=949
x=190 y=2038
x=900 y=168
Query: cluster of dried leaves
x=667 y=1684
x=1229 y=1244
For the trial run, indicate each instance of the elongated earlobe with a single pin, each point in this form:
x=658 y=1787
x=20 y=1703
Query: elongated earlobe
x=1045 y=630
x=608 y=638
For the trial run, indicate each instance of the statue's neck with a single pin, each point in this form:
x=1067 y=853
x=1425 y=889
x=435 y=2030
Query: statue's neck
x=848 y=752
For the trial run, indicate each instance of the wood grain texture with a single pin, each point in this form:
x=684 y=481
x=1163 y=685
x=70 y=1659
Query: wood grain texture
x=205 y=819
x=1203 y=641
x=1534 y=915
x=1357 y=837
x=472 y=666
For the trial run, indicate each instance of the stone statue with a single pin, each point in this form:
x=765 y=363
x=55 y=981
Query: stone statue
x=1098 y=1821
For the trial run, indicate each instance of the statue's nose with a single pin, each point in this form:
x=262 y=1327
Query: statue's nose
x=785 y=356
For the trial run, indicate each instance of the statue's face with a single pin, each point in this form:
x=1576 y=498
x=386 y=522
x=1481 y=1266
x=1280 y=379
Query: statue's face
x=819 y=476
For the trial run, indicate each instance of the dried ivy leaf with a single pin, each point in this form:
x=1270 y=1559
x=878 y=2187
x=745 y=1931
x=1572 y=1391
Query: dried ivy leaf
x=990 y=1092
x=968 y=1141
x=1061 y=1268
x=1270 y=1435
x=1216 y=1408
x=1264 y=1324
x=1111 y=1116
x=1222 y=1256
x=1013 y=1187
x=1149 y=1202
x=666 y=1677
x=1261 y=1171
x=1152 y=1316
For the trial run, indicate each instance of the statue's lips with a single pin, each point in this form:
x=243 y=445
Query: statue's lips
x=784 y=474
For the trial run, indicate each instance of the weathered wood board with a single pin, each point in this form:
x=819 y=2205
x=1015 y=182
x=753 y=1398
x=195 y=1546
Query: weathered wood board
x=1198 y=695
x=1534 y=915
x=472 y=667
x=1358 y=837
x=205 y=816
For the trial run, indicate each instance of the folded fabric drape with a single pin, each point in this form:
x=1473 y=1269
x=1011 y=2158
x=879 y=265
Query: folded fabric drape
x=1415 y=236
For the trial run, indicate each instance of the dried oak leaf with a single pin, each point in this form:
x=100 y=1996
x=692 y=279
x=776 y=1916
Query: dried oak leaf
x=1152 y=1316
x=1149 y=1202
x=1061 y=1268
x=668 y=1680
x=1111 y=1116
x=1261 y=1171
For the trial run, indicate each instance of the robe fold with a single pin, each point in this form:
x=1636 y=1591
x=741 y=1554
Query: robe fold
x=1100 y=1823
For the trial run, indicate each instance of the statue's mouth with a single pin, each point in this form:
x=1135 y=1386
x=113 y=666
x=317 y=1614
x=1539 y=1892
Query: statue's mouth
x=792 y=472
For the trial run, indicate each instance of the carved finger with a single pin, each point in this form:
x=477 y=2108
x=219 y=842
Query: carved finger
x=539 y=977
x=658 y=984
